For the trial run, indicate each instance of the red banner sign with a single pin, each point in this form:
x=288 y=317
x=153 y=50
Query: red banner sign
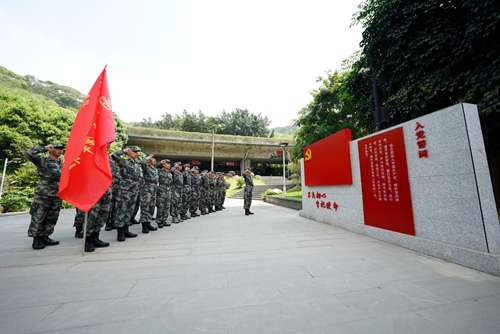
x=384 y=182
x=328 y=161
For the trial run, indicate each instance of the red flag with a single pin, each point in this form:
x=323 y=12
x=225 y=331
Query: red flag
x=86 y=174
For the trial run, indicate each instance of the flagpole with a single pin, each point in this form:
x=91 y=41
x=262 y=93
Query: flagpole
x=84 y=233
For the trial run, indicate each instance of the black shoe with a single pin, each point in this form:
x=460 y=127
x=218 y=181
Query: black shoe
x=108 y=226
x=166 y=224
x=79 y=232
x=175 y=220
x=49 y=242
x=223 y=208
x=38 y=243
x=145 y=229
x=127 y=233
x=89 y=246
x=121 y=233
x=153 y=218
x=246 y=212
x=210 y=210
x=134 y=221
x=250 y=212
x=151 y=227
x=203 y=213
x=160 y=224
x=98 y=243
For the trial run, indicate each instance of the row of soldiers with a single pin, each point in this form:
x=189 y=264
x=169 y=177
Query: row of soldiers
x=172 y=190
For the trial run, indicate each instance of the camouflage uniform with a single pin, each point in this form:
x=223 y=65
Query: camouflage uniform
x=218 y=192
x=115 y=171
x=222 y=192
x=186 y=193
x=46 y=203
x=177 y=185
x=205 y=190
x=128 y=188
x=195 y=193
x=247 y=191
x=212 y=181
x=163 y=195
x=148 y=194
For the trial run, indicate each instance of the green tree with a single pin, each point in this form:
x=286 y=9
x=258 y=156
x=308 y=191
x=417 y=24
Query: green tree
x=428 y=55
x=330 y=111
x=241 y=122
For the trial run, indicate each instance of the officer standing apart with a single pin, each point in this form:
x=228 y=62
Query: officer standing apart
x=127 y=192
x=247 y=192
x=148 y=192
x=46 y=203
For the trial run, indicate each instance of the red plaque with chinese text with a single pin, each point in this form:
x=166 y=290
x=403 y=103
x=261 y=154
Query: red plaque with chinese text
x=328 y=161
x=384 y=182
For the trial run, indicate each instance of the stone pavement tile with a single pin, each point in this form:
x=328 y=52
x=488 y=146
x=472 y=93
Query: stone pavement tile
x=206 y=322
x=226 y=298
x=75 y=330
x=334 y=233
x=307 y=250
x=30 y=270
x=14 y=321
x=8 y=297
x=290 y=316
x=174 y=284
x=110 y=265
x=221 y=250
x=324 y=242
x=98 y=312
x=293 y=289
x=146 y=253
x=339 y=267
x=463 y=287
x=57 y=294
x=179 y=260
x=284 y=261
x=480 y=315
x=389 y=299
x=126 y=274
x=357 y=246
x=222 y=267
x=190 y=245
x=395 y=323
x=397 y=275
x=265 y=275
x=248 y=256
x=48 y=280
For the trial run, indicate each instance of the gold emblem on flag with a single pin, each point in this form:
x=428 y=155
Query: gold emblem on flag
x=105 y=102
x=308 y=155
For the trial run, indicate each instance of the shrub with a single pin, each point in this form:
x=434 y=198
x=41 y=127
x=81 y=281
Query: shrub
x=271 y=192
x=17 y=200
x=257 y=177
x=240 y=182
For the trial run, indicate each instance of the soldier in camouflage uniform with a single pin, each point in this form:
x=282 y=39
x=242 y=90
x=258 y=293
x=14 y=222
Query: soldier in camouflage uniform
x=163 y=193
x=186 y=192
x=46 y=203
x=212 y=181
x=218 y=192
x=148 y=192
x=247 y=191
x=195 y=191
x=115 y=171
x=177 y=186
x=222 y=190
x=127 y=192
x=205 y=189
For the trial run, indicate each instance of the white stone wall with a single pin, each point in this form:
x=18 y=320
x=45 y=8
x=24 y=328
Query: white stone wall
x=452 y=195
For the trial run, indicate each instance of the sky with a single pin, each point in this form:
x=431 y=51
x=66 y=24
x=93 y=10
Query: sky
x=169 y=56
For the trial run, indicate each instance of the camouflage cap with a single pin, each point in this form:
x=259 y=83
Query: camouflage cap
x=195 y=167
x=133 y=148
x=205 y=171
x=153 y=156
x=57 y=145
x=250 y=169
x=187 y=165
x=166 y=160
x=177 y=163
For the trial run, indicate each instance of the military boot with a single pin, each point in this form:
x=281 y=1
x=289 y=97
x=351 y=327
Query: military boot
x=145 y=229
x=160 y=224
x=89 y=246
x=38 y=243
x=120 y=233
x=150 y=227
x=79 y=232
x=127 y=233
x=165 y=223
x=203 y=212
x=98 y=243
x=175 y=220
x=108 y=227
x=48 y=241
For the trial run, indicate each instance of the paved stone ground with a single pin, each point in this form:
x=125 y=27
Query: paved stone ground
x=273 y=272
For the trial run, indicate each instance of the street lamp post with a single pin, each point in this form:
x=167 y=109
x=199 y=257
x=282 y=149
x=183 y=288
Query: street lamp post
x=284 y=145
x=4 y=170
x=380 y=115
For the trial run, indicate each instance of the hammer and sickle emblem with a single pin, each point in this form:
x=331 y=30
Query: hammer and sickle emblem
x=105 y=102
x=308 y=154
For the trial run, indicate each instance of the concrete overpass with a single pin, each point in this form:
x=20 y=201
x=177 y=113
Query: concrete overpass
x=230 y=152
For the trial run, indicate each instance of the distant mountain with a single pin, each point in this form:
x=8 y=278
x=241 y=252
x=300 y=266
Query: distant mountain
x=64 y=96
